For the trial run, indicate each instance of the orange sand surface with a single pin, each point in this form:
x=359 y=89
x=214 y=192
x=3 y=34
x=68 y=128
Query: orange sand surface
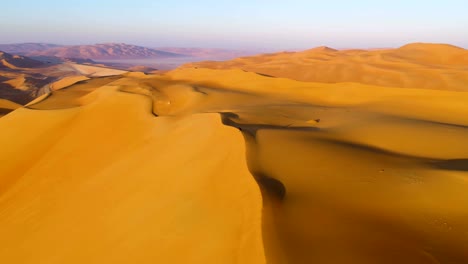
x=230 y=166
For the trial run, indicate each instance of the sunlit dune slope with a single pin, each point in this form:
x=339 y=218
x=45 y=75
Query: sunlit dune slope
x=228 y=166
x=95 y=71
x=417 y=65
x=67 y=81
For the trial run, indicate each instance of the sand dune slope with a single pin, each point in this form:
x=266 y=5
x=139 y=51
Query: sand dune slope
x=67 y=81
x=227 y=166
x=95 y=71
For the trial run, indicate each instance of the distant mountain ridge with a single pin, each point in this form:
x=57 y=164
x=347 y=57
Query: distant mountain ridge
x=104 y=51
x=119 y=51
x=24 y=48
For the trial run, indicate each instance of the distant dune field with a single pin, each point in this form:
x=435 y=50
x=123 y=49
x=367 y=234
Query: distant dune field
x=417 y=65
x=320 y=156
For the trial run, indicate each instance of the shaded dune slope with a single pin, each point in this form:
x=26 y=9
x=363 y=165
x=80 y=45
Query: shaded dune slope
x=348 y=173
x=15 y=61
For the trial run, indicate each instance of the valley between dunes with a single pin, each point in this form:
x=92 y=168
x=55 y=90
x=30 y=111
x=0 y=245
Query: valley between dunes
x=228 y=165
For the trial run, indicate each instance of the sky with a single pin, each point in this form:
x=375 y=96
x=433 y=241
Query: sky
x=237 y=24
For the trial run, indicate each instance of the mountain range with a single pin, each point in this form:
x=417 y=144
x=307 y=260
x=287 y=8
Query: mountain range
x=103 y=51
x=24 y=48
x=110 y=51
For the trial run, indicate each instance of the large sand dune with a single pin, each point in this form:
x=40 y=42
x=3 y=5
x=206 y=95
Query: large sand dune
x=228 y=166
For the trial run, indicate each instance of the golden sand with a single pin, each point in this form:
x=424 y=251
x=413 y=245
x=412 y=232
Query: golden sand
x=227 y=166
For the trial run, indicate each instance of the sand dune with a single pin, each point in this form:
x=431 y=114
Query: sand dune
x=17 y=82
x=417 y=65
x=228 y=166
x=15 y=61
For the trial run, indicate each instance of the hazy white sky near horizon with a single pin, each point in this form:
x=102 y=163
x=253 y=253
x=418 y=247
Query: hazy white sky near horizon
x=241 y=24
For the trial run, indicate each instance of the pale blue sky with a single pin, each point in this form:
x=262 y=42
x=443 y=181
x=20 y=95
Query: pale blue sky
x=241 y=24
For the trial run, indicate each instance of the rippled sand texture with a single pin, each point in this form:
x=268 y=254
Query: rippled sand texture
x=228 y=166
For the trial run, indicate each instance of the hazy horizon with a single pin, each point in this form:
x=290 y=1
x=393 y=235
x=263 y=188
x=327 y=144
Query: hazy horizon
x=243 y=25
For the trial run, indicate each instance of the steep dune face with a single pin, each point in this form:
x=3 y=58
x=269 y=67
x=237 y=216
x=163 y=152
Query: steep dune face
x=419 y=65
x=229 y=166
